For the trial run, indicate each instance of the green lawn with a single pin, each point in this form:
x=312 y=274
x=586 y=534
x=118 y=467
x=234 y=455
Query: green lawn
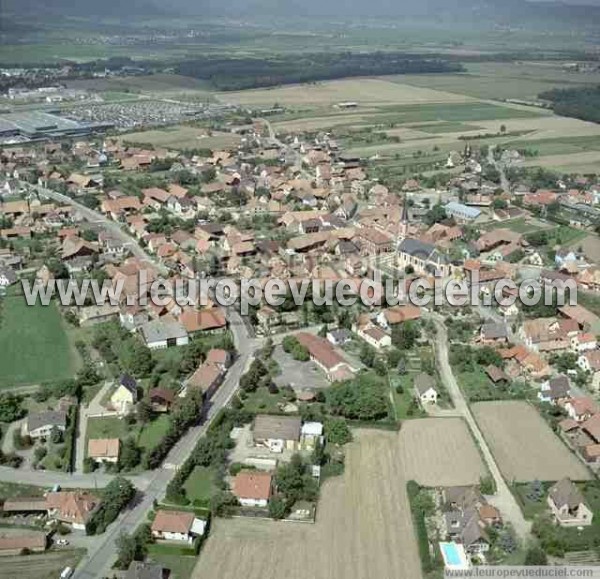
x=263 y=401
x=153 y=432
x=445 y=127
x=521 y=225
x=199 y=486
x=530 y=507
x=9 y=490
x=110 y=427
x=34 y=346
x=181 y=567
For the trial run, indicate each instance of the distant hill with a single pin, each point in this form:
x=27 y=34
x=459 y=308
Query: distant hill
x=510 y=11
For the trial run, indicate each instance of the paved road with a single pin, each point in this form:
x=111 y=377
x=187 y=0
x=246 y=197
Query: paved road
x=107 y=224
x=504 y=500
x=102 y=552
x=102 y=555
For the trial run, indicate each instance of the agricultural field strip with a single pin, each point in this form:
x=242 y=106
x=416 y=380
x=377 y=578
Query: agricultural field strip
x=363 y=527
x=523 y=445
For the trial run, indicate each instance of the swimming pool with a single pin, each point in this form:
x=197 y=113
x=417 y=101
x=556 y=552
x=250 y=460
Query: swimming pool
x=454 y=555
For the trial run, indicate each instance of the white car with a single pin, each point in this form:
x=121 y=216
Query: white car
x=66 y=573
x=62 y=542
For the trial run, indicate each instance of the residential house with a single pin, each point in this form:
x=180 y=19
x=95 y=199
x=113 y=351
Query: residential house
x=41 y=424
x=103 y=450
x=277 y=433
x=253 y=488
x=374 y=336
x=339 y=337
x=145 y=570
x=125 y=395
x=161 y=399
x=425 y=389
x=207 y=378
x=555 y=390
x=568 y=505
x=493 y=333
x=180 y=526
x=207 y=320
x=580 y=408
x=398 y=315
x=590 y=362
x=311 y=434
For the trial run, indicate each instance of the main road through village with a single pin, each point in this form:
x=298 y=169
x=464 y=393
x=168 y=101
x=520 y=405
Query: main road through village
x=151 y=485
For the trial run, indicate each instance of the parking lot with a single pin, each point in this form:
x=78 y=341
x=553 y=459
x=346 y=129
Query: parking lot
x=298 y=375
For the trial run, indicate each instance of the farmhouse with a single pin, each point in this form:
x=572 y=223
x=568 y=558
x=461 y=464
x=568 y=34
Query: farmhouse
x=160 y=334
x=326 y=357
x=72 y=507
x=568 y=505
x=253 y=488
x=207 y=378
x=277 y=433
x=181 y=526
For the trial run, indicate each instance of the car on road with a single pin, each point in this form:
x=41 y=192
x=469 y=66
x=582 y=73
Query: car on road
x=62 y=542
x=66 y=573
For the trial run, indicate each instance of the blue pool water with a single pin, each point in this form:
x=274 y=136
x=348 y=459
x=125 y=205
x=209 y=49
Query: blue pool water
x=451 y=554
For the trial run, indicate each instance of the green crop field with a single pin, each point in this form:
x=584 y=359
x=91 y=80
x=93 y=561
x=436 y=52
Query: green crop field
x=34 y=346
x=183 y=137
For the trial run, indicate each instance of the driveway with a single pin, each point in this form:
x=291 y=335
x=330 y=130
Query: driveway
x=93 y=408
x=503 y=500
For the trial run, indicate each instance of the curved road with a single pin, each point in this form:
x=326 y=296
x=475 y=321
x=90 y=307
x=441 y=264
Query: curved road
x=504 y=500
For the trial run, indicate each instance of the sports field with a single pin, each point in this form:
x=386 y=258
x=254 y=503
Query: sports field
x=523 y=445
x=34 y=346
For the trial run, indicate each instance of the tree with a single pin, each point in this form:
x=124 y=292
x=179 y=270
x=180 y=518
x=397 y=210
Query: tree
x=363 y=398
x=278 y=507
x=56 y=435
x=536 y=557
x=404 y=335
x=126 y=550
x=144 y=411
x=436 y=214
x=130 y=454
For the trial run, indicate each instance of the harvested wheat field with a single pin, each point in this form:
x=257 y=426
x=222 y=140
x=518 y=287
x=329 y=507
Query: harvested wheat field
x=363 y=528
x=523 y=445
x=440 y=452
x=364 y=90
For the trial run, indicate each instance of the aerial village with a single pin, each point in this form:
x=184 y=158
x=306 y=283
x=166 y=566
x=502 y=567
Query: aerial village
x=202 y=413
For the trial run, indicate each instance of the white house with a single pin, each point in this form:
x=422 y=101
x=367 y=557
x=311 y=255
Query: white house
x=180 y=526
x=374 y=336
x=568 y=505
x=425 y=389
x=253 y=488
x=41 y=424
